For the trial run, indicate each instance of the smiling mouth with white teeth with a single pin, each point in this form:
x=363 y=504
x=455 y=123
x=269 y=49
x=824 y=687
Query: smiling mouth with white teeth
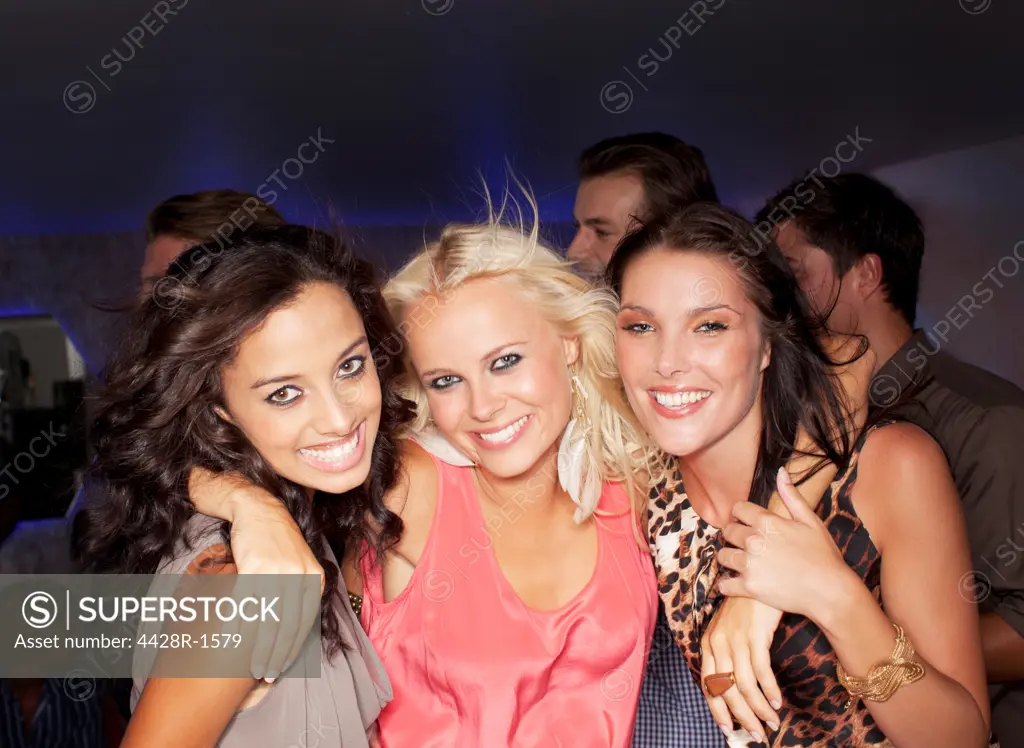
x=337 y=456
x=679 y=399
x=502 y=437
x=676 y=404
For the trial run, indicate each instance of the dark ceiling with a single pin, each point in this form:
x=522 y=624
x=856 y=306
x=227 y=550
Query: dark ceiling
x=421 y=96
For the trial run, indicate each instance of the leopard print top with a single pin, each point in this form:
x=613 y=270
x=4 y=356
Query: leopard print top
x=814 y=703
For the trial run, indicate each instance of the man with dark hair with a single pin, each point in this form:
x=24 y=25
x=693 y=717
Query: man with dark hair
x=629 y=178
x=849 y=214
x=856 y=249
x=183 y=221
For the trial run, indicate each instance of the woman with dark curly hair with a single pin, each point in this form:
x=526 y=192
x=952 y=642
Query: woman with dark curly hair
x=255 y=361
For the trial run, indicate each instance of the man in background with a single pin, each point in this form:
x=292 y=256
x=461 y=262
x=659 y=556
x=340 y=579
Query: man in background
x=630 y=178
x=624 y=180
x=864 y=274
x=184 y=221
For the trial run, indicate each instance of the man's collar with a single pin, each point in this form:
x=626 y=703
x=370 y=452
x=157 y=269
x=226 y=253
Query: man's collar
x=910 y=356
x=907 y=368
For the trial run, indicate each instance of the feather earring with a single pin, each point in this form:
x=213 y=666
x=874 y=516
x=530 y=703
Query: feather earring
x=577 y=473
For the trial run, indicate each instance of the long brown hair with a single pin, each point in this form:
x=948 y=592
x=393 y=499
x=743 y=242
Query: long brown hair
x=156 y=419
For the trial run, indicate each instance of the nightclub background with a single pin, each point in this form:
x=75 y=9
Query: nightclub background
x=404 y=108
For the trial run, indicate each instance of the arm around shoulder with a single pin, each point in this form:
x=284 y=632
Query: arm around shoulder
x=190 y=712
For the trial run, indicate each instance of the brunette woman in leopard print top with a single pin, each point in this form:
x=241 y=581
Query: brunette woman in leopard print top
x=722 y=366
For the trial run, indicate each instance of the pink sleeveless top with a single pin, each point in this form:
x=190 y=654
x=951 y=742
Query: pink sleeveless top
x=471 y=666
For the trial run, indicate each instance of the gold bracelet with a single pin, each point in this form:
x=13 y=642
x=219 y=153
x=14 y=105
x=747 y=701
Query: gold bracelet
x=885 y=678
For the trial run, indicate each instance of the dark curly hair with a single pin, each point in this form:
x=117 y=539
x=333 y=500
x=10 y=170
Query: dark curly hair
x=155 y=419
x=800 y=386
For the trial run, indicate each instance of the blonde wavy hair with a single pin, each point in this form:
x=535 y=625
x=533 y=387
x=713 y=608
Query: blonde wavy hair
x=615 y=448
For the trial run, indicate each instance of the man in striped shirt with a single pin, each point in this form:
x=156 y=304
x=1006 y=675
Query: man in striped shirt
x=57 y=713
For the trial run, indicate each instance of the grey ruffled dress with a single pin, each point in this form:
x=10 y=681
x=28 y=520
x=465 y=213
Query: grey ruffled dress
x=332 y=711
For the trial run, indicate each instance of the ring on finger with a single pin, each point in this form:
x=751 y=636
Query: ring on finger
x=718 y=683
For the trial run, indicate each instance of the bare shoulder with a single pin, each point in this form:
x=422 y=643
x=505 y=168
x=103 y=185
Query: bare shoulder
x=903 y=481
x=416 y=482
x=414 y=500
x=900 y=451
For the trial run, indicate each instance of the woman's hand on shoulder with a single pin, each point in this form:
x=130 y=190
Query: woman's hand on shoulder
x=273 y=559
x=264 y=537
x=220 y=495
x=266 y=540
x=786 y=564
